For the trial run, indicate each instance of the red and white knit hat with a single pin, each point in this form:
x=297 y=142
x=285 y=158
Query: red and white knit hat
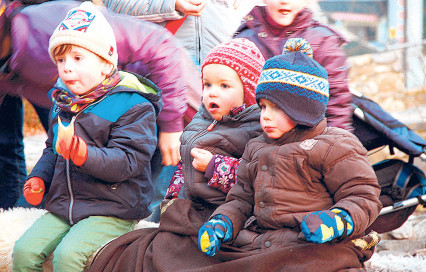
x=85 y=26
x=243 y=57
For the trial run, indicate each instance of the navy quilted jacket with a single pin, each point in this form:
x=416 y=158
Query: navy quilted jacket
x=228 y=137
x=115 y=180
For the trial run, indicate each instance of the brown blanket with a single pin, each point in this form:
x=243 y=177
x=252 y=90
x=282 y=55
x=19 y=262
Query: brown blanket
x=173 y=247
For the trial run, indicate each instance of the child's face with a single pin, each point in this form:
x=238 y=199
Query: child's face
x=81 y=70
x=222 y=90
x=275 y=123
x=283 y=12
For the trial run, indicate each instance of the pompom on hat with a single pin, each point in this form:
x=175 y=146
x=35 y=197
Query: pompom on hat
x=245 y=58
x=296 y=83
x=85 y=26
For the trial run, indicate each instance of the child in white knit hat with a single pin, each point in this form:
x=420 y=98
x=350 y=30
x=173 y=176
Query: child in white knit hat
x=96 y=164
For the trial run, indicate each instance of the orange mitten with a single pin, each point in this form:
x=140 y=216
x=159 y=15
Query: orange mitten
x=65 y=136
x=78 y=151
x=34 y=190
x=69 y=145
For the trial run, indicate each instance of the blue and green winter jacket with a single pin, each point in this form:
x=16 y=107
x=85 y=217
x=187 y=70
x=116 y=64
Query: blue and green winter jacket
x=120 y=132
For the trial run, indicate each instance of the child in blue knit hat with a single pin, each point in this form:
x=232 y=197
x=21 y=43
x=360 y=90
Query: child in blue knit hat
x=303 y=187
x=270 y=25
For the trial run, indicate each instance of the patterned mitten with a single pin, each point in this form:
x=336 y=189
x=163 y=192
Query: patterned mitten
x=34 y=190
x=323 y=226
x=223 y=172
x=176 y=183
x=213 y=233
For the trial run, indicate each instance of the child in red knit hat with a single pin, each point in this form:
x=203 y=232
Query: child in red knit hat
x=230 y=73
x=228 y=118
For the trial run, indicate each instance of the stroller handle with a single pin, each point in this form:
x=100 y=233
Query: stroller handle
x=403 y=204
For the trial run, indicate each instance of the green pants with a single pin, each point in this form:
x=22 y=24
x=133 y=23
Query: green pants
x=71 y=245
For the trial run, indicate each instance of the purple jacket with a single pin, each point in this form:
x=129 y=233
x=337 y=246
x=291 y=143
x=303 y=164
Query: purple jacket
x=326 y=45
x=143 y=48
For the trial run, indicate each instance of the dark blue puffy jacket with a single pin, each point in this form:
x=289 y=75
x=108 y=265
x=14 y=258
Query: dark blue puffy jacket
x=115 y=180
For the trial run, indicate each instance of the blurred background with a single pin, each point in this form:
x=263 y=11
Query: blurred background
x=386 y=50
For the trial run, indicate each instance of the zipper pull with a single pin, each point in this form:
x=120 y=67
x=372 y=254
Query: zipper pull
x=211 y=126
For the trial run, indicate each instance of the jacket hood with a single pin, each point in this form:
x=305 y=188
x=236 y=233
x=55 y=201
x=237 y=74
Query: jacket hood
x=131 y=82
x=299 y=133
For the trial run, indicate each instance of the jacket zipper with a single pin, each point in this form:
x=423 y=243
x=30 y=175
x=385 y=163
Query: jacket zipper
x=70 y=192
x=198 y=52
x=211 y=126
x=68 y=170
x=197 y=136
x=69 y=180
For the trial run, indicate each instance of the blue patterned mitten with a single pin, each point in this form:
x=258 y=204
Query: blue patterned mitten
x=323 y=226
x=213 y=233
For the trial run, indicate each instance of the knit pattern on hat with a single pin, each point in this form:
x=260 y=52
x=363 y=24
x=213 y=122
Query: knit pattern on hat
x=296 y=83
x=245 y=58
x=85 y=26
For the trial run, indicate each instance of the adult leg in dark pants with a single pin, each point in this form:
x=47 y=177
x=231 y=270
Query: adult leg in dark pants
x=12 y=158
x=43 y=114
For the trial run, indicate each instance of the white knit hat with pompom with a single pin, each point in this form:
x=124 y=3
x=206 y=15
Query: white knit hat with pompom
x=85 y=26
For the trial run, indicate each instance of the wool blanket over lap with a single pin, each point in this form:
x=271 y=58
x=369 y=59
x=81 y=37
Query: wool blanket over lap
x=174 y=247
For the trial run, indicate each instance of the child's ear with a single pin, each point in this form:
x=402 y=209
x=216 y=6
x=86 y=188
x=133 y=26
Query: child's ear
x=107 y=69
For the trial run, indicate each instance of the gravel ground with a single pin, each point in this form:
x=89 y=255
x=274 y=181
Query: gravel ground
x=34 y=146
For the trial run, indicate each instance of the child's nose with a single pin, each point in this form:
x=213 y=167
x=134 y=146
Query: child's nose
x=67 y=66
x=266 y=114
x=213 y=91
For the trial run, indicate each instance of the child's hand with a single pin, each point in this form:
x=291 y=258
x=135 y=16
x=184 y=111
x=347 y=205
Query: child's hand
x=34 y=190
x=211 y=234
x=323 y=226
x=69 y=145
x=201 y=159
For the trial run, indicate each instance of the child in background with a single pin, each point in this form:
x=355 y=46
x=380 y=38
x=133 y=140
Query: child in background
x=300 y=182
x=228 y=118
x=96 y=171
x=270 y=26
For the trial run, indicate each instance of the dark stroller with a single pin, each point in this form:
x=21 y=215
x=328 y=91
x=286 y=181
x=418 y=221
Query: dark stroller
x=403 y=184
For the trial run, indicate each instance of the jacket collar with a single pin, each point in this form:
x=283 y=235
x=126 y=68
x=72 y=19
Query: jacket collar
x=251 y=113
x=132 y=82
x=299 y=134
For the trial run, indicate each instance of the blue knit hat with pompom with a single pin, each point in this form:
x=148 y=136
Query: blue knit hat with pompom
x=296 y=83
